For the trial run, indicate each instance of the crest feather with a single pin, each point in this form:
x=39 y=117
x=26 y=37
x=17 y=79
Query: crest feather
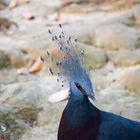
x=72 y=65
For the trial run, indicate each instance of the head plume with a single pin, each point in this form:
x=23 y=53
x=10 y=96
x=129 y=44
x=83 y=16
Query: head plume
x=71 y=65
x=72 y=62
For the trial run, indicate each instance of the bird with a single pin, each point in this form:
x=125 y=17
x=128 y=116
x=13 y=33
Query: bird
x=81 y=119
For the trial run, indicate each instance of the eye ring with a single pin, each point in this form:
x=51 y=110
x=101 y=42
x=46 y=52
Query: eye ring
x=78 y=85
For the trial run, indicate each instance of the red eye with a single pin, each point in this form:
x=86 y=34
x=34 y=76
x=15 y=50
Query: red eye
x=78 y=85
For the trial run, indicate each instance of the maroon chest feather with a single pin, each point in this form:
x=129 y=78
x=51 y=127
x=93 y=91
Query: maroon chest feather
x=87 y=130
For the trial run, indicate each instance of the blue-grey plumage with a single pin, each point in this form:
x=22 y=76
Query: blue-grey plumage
x=115 y=127
x=73 y=67
x=81 y=120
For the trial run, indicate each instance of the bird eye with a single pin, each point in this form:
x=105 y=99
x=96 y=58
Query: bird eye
x=78 y=85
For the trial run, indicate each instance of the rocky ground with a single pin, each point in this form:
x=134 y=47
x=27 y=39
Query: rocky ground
x=108 y=32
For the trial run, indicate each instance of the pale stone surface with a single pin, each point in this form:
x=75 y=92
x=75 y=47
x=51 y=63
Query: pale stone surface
x=94 y=57
x=124 y=57
x=11 y=48
x=114 y=65
x=131 y=80
x=136 y=11
x=116 y=37
x=4 y=60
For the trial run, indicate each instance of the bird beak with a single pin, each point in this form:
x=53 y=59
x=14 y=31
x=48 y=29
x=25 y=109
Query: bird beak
x=59 y=96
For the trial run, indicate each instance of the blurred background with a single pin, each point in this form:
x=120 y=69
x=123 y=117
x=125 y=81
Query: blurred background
x=109 y=33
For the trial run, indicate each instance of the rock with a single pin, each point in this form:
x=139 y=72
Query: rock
x=136 y=12
x=8 y=118
x=30 y=94
x=10 y=47
x=115 y=37
x=130 y=80
x=119 y=101
x=125 y=17
x=27 y=104
x=3 y=137
x=76 y=8
x=50 y=115
x=28 y=16
x=15 y=3
x=40 y=133
x=101 y=81
x=5 y=1
x=124 y=57
x=94 y=57
x=29 y=115
x=33 y=41
x=130 y=110
x=2 y=5
x=7 y=76
x=4 y=60
x=121 y=2
x=5 y=108
x=6 y=24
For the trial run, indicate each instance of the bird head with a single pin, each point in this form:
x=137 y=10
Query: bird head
x=82 y=86
x=72 y=66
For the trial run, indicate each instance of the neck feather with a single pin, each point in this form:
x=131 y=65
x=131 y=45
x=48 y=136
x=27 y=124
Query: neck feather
x=80 y=109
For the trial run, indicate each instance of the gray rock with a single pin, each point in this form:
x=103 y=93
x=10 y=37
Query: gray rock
x=94 y=57
x=11 y=121
x=10 y=47
x=130 y=80
x=25 y=104
x=5 y=1
x=130 y=110
x=119 y=101
x=115 y=37
x=5 y=108
x=4 y=60
x=39 y=133
x=30 y=93
x=127 y=18
x=124 y=57
x=136 y=11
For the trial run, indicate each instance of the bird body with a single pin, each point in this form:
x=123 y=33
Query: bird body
x=77 y=120
x=81 y=120
x=115 y=127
